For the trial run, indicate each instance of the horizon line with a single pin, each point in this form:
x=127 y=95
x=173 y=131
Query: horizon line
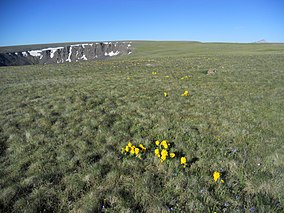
x=262 y=41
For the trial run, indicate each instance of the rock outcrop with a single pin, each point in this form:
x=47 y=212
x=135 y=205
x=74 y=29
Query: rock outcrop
x=66 y=53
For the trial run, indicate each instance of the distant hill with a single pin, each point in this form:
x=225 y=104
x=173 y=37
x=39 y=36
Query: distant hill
x=261 y=41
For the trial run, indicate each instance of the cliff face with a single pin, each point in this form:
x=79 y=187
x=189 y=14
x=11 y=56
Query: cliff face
x=67 y=53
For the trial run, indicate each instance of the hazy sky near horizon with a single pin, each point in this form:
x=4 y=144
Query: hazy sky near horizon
x=53 y=21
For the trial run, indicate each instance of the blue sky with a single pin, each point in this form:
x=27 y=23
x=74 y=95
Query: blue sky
x=52 y=21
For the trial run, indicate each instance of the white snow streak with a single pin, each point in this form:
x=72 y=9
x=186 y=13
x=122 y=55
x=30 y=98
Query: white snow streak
x=36 y=53
x=83 y=45
x=112 y=53
x=84 y=58
x=24 y=54
x=70 y=52
x=52 y=50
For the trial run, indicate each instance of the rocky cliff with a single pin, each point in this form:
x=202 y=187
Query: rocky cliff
x=65 y=53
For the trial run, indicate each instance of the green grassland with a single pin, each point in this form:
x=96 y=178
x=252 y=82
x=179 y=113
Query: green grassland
x=62 y=128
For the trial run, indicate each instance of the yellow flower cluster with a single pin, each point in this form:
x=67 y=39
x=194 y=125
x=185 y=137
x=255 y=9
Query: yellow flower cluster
x=165 y=94
x=162 y=150
x=154 y=73
x=217 y=176
x=133 y=150
x=185 y=93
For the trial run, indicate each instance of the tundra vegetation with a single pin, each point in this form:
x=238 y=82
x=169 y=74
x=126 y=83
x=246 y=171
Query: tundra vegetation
x=175 y=126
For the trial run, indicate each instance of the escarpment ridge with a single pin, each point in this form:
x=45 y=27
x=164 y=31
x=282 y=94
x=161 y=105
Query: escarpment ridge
x=65 y=53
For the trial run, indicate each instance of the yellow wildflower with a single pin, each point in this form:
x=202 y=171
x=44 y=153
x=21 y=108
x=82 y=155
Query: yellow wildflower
x=157 y=143
x=132 y=151
x=216 y=176
x=129 y=144
x=157 y=152
x=136 y=150
x=142 y=147
x=164 y=153
x=183 y=160
x=163 y=158
x=222 y=181
x=172 y=155
x=164 y=144
x=185 y=93
x=154 y=73
x=122 y=150
x=165 y=94
x=127 y=148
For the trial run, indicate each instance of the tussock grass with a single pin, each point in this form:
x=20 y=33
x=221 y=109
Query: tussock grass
x=63 y=127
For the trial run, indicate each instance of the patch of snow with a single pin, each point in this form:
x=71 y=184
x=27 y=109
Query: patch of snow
x=52 y=53
x=36 y=53
x=112 y=53
x=84 y=58
x=16 y=53
x=129 y=53
x=52 y=50
x=70 y=52
x=86 y=45
x=24 y=54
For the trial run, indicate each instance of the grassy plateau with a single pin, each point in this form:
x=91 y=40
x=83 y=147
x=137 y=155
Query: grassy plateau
x=65 y=130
